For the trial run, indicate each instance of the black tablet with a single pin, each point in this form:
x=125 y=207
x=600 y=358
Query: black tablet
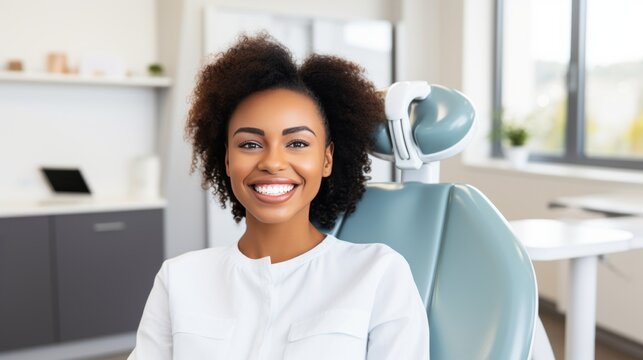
x=68 y=181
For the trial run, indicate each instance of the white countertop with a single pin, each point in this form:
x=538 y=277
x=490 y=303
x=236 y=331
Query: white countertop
x=76 y=206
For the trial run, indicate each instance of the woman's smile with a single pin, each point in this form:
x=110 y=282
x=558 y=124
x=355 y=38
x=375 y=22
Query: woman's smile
x=274 y=190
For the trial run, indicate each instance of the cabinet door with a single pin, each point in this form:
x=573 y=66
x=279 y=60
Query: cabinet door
x=106 y=266
x=26 y=311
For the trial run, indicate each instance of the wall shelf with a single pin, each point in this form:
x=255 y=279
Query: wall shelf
x=42 y=77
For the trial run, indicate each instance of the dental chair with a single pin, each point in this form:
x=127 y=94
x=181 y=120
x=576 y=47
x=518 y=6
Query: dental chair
x=476 y=280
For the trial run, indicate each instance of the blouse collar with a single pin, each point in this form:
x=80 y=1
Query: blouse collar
x=283 y=266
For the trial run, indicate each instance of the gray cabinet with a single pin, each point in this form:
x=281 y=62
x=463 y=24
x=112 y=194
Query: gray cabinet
x=26 y=301
x=105 y=265
x=76 y=276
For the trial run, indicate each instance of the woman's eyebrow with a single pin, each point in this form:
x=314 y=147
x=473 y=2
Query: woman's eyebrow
x=260 y=132
x=296 y=129
x=250 y=130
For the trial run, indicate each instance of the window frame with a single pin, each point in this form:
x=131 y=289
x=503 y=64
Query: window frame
x=573 y=151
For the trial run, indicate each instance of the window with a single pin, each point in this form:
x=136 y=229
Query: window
x=571 y=71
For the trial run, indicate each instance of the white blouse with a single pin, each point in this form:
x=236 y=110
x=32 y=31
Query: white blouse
x=337 y=301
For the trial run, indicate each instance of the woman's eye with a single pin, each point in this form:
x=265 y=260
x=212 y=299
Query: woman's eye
x=249 y=145
x=298 y=144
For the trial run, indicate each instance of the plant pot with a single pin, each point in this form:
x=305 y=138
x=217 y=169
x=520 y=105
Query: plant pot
x=517 y=155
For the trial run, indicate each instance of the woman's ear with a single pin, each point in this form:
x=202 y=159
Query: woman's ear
x=328 y=160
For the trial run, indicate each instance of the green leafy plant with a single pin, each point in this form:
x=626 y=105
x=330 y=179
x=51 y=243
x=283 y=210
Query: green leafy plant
x=508 y=129
x=155 y=69
x=516 y=135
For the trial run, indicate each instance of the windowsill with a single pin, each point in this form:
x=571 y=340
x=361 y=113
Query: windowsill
x=566 y=171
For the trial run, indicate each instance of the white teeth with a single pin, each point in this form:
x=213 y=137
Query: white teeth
x=273 y=190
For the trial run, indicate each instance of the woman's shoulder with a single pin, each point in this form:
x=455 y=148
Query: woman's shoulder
x=208 y=257
x=369 y=252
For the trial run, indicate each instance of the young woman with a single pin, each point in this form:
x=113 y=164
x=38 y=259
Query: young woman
x=286 y=145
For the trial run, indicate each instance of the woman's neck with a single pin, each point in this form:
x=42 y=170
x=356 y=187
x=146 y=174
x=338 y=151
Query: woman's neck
x=281 y=242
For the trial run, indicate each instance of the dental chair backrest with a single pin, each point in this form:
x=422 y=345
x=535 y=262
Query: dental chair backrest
x=473 y=275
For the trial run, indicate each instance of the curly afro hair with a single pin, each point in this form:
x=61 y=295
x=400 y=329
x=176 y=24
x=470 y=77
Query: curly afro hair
x=348 y=103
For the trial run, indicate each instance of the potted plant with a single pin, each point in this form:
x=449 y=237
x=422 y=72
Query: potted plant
x=517 y=152
x=514 y=137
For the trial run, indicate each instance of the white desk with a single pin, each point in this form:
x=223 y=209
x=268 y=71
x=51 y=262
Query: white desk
x=581 y=243
x=618 y=204
x=633 y=224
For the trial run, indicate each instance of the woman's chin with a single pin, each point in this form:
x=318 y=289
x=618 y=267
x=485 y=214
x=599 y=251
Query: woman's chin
x=272 y=216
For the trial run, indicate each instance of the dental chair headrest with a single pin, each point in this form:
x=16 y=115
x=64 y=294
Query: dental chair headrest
x=425 y=124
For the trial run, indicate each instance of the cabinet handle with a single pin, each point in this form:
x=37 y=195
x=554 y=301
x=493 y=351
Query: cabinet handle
x=109 y=226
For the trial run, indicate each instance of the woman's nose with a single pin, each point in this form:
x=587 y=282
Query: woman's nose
x=274 y=160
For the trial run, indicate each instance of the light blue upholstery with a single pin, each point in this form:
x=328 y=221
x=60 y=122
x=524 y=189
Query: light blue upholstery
x=473 y=275
x=475 y=279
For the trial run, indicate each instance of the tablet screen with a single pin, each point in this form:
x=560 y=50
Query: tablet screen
x=66 y=180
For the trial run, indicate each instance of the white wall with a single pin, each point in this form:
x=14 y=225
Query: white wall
x=99 y=128
x=29 y=29
x=330 y=9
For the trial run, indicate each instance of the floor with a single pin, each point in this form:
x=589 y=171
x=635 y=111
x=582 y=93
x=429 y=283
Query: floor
x=555 y=327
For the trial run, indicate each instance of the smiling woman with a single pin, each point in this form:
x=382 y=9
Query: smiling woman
x=276 y=158
x=287 y=146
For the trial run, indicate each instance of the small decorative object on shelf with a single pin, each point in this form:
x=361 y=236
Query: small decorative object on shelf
x=14 y=65
x=155 y=69
x=57 y=63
